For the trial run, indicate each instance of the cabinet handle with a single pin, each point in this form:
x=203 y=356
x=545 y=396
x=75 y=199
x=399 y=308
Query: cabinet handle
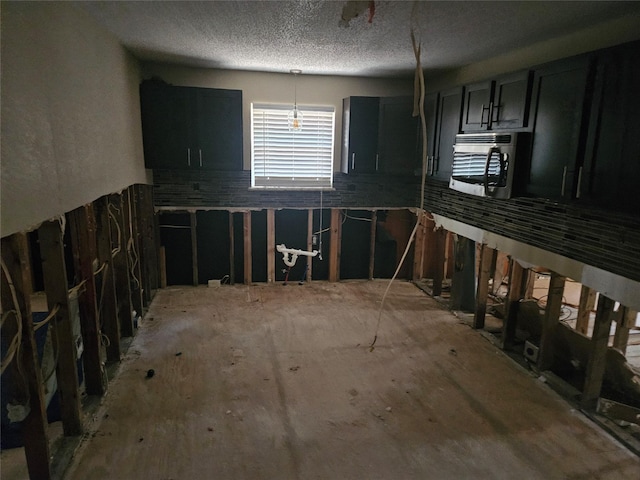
x=200 y=152
x=189 y=156
x=353 y=161
x=564 y=179
x=482 y=122
x=579 y=182
x=376 y=162
x=495 y=108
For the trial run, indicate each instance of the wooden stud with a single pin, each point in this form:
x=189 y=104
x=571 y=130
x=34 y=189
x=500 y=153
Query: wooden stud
x=194 y=247
x=54 y=271
x=440 y=236
x=17 y=281
x=246 y=227
x=232 y=260
x=146 y=241
x=130 y=241
x=529 y=284
x=514 y=295
x=418 y=255
x=334 y=246
x=107 y=302
x=625 y=321
x=271 y=245
x=585 y=307
x=372 y=247
x=163 y=268
x=487 y=255
x=121 y=265
x=309 y=243
x=82 y=228
x=550 y=320
x=597 y=359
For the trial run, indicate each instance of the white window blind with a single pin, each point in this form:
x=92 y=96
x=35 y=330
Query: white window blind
x=291 y=159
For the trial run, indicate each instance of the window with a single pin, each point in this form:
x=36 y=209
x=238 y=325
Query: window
x=291 y=159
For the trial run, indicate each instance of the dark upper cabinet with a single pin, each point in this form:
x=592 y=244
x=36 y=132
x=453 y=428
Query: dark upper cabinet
x=447 y=127
x=360 y=122
x=165 y=125
x=380 y=135
x=497 y=104
x=477 y=106
x=558 y=106
x=188 y=127
x=398 y=137
x=611 y=170
x=218 y=128
x=431 y=117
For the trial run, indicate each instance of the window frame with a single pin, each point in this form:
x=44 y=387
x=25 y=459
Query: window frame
x=268 y=154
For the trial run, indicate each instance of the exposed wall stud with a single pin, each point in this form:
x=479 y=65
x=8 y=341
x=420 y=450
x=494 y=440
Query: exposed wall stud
x=121 y=264
x=487 y=258
x=550 y=320
x=82 y=227
x=514 y=295
x=585 y=307
x=15 y=258
x=597 y=360
x=334 y=245
x=54 y=271
x=271 y=245
x=246 y=226
x=107 y=303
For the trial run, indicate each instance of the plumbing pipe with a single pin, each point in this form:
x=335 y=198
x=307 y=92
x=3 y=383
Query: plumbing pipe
x=290 y=262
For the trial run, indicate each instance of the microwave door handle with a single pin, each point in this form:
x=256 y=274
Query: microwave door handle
x=491 y=151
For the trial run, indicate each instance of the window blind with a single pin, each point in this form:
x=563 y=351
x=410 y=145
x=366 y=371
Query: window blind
x=291 y=159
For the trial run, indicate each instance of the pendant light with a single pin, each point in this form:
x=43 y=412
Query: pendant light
x=294 y=119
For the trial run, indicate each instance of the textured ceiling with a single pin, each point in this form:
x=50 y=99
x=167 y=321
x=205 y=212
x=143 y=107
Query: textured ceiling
x=277 y=36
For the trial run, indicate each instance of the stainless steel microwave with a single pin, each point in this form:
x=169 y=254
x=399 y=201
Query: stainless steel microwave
x=484 y=164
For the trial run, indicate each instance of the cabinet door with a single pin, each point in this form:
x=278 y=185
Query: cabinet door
x=398 y=137
x=448 y=126
x=477 y=100
x=431 y=115
x=217 y=134
x=558 y=96
x=510 y=102
x=360 y=134
x=611 y=172
x=165 y=118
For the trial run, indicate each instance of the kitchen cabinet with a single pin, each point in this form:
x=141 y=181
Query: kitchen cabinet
x=447 y=127
x=399 y=146
x=165 y=130
x=191 y=128
x=360 y=123
x=497 y=104
x=558 y=108
x=611 y=170
x=380 y=135
x=431 y=117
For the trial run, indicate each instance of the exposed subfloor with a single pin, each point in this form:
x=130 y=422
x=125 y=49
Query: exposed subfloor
x=278 y=382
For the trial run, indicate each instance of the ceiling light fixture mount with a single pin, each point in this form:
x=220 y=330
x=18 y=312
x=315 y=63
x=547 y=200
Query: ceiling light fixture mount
x=294 y=119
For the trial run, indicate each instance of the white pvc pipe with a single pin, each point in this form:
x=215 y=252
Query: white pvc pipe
x=294 y=252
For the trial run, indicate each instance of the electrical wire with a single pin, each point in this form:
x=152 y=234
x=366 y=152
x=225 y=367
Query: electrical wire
x=116 y=250
x=18 y=336
x=419 y=105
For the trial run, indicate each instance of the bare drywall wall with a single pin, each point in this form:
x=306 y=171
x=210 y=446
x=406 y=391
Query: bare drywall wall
x=262 y=87
x=70 y=113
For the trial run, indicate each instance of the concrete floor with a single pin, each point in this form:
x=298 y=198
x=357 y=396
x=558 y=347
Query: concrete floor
x=278 y=382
